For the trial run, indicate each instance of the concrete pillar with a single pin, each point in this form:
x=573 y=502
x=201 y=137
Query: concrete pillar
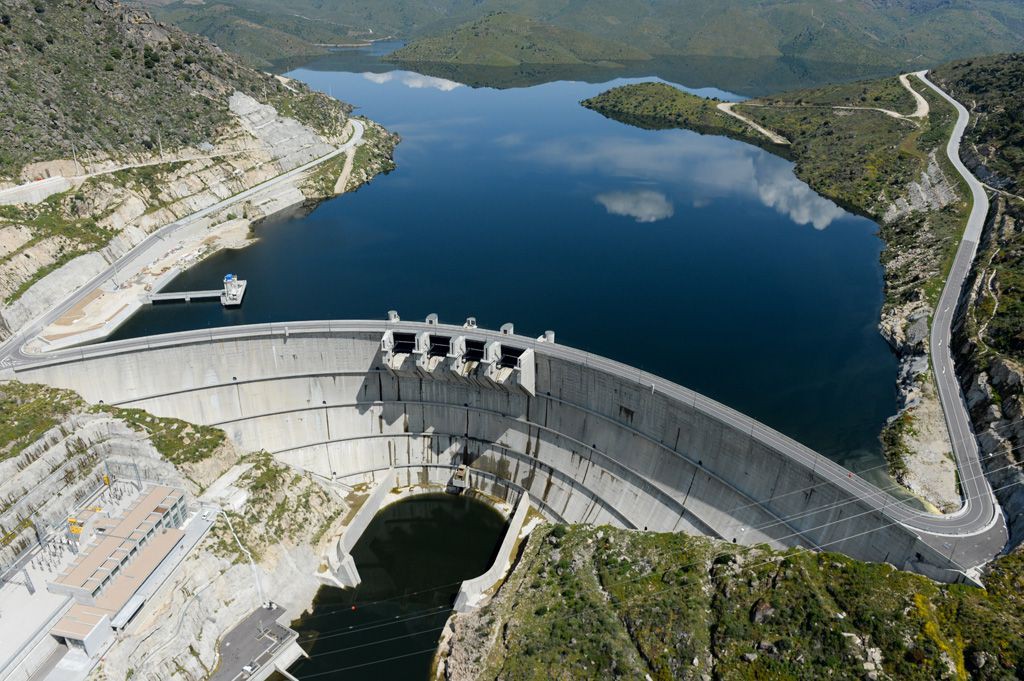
x=489 y=364
x=454 y=360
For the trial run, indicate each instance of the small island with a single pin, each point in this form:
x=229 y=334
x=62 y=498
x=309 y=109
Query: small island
x=657 y=106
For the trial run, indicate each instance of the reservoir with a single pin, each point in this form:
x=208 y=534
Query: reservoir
x=695 y=257
x=412 y=557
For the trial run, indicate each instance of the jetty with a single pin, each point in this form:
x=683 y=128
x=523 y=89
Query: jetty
x=230 y=295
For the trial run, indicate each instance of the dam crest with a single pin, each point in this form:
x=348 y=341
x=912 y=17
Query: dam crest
x=588 y=439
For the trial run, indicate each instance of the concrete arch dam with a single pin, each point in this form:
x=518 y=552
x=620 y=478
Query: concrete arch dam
x=590 y=440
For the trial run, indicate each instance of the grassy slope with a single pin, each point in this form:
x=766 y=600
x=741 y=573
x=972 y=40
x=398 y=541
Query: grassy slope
x=108 y=79
x=505 y=39
x=261 y=38
x=896 y=33
x=603 y=603
x=27 y=411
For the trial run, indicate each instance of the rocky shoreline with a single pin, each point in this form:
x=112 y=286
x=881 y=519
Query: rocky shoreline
x=915 y=441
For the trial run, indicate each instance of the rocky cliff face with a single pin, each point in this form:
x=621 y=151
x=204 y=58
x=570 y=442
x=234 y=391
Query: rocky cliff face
x=916 y=440
x=993 y=382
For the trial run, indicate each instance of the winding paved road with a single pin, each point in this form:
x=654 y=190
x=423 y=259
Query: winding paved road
x=978 y=497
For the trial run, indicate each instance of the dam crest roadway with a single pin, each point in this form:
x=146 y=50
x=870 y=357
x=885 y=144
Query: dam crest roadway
x=589 y=439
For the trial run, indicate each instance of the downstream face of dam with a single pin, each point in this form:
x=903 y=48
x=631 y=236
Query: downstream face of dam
x=590 y=440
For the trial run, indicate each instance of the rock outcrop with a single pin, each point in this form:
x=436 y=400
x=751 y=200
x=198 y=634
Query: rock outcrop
x=916 y=440
x=933 y=191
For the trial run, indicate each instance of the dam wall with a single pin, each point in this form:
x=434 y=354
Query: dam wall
x=590 y=440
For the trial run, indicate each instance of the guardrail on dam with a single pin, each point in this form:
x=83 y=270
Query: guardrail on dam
x=589 y=439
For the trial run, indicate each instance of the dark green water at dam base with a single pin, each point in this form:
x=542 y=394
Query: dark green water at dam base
x=412 y=559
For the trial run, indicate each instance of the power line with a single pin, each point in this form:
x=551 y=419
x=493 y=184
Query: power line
x=378 y=624
x=369 y=664
x=821 y=547
x=737 y=550
x=876 y=492
x=335 y=651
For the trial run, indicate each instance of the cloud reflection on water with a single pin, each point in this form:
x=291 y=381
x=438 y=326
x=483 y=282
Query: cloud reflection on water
x=415 y=81
x=643 y=205
x=715 y=168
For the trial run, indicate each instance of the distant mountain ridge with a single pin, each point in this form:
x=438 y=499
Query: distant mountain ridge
x=505 y=39
x=898 y=34
x=264 y=39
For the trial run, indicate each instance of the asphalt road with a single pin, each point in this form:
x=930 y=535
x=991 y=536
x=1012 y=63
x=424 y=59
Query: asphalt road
x=11 y=351
x=980 y=502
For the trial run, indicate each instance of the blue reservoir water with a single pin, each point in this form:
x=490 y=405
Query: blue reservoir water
x=695 y=257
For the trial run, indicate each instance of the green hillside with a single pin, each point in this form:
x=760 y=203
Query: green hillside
x=94 y=76
x=896 y=34
x=605 y=603
x=994 y=148
x=263 y=39
x=657 y=106
x=505 y=39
